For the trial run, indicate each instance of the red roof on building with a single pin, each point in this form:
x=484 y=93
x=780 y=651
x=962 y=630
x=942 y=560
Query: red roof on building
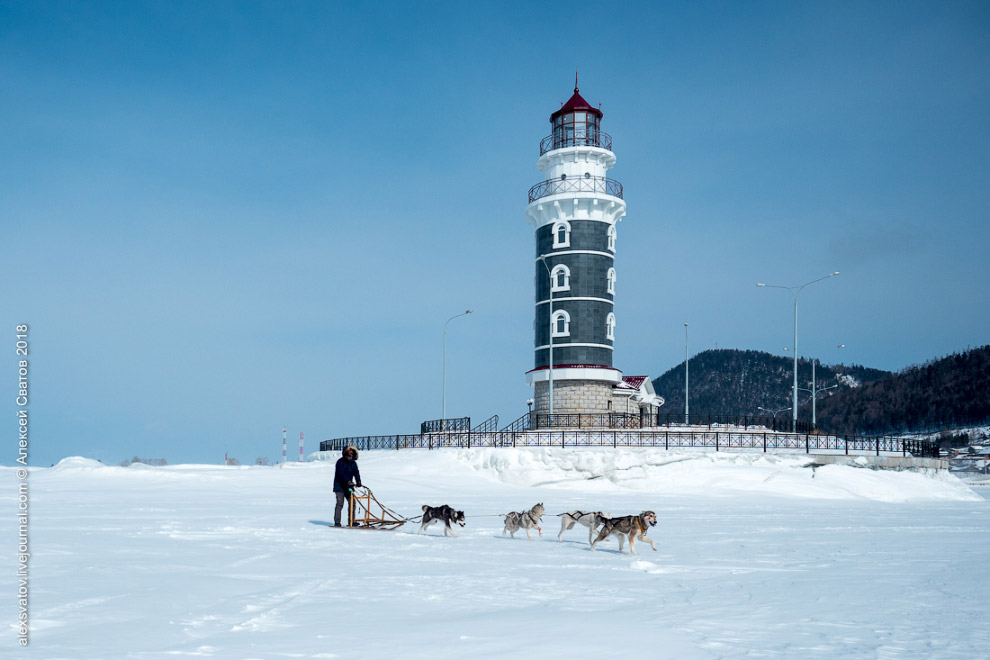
x=634 y=382
x=576 y=103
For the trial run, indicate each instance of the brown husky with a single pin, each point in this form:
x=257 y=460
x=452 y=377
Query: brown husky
x=633 y=527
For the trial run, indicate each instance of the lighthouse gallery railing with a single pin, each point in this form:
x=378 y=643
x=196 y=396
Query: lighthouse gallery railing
x=590 y=139
x=592 y=184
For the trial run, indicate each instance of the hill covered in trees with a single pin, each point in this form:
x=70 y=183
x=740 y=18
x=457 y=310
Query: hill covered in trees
x=734 y=382
x=947 y=392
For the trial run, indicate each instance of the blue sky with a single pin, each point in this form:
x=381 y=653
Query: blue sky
x=223 y=218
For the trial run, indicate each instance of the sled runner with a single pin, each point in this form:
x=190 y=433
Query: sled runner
x=368 y=513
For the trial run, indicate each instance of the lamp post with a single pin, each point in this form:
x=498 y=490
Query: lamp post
x=815 y=392
x=795 y=290
x=543 y=259
x=443 y=415
x=814 y=395
x=773 y=414
x=687 y=418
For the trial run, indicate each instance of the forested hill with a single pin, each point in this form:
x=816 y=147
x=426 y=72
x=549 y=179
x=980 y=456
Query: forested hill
x=944 y=393
x=733 y=382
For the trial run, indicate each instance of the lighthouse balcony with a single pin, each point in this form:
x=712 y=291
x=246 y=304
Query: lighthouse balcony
x=585 y=184
x=579 y=138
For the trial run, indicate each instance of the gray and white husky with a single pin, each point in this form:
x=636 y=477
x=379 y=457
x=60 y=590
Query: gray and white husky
x=524 y=520
x=590 y=519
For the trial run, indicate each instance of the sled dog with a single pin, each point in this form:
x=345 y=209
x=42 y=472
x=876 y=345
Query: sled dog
x=524 y=520
x=590 y=519
x=634 y=527
x=444 y=514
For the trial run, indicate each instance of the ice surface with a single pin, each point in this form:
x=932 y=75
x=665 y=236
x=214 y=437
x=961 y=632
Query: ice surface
x=759 y=557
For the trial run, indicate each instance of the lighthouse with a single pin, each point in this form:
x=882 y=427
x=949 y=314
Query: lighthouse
x=575 y=211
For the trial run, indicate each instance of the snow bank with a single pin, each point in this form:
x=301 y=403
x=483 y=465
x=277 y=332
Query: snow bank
x=717 y=474
x=77 y=463
x=692 y=473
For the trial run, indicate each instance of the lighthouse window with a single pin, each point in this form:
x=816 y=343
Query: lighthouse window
x=562 y=234
x=579 y=126
x=610 y=326
x=561 y=278
x=611 y=281
x=560 y=326
x=611 y=238
x=592 y=130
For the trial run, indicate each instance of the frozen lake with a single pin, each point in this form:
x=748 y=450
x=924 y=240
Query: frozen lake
x=758 y=557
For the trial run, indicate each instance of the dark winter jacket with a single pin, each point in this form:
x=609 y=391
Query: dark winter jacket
x=346 y=470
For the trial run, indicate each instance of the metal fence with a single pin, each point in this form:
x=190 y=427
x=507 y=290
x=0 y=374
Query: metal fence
x=445 y=425
x=770 y=422
x=717 y=440
x=615 y=420
x=586 y=421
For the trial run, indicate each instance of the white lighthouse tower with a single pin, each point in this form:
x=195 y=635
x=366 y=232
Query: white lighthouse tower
x=575 y=211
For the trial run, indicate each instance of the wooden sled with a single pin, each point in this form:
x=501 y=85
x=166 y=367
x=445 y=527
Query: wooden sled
x=368 y=513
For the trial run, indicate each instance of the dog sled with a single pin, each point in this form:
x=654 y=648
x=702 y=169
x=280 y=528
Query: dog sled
x=368 y=513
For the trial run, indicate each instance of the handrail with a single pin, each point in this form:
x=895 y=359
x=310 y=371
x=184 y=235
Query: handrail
x=592 y=184
x=591 y=139
x=488 y=426
x=524 y=423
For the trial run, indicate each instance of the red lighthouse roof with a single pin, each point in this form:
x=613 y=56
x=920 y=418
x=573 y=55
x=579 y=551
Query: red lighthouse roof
x=576 y=104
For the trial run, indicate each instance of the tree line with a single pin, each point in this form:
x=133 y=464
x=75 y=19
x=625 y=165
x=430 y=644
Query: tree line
x=943 y=393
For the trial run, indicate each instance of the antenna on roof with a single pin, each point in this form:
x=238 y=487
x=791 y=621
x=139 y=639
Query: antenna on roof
x=575 y=81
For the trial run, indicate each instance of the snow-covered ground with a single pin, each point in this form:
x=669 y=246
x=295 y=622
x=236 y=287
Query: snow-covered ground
x=759 y=557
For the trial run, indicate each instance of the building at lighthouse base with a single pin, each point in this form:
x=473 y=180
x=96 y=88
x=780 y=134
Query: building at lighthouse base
x=593 y=396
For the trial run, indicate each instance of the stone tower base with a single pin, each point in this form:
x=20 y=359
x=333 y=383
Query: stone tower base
x=574 y=396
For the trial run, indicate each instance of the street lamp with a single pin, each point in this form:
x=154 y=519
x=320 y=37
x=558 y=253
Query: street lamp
x=543 y=259
x=815 y=392
x=795 y=290
x=773 y=414
x=443 y=416
x=686 y=417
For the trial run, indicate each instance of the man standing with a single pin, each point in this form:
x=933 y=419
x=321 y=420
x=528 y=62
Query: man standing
x=346 y=472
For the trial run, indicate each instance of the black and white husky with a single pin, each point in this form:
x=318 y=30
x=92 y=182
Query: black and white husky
x=590 y=519
x=524 y=520
x=444 y=514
